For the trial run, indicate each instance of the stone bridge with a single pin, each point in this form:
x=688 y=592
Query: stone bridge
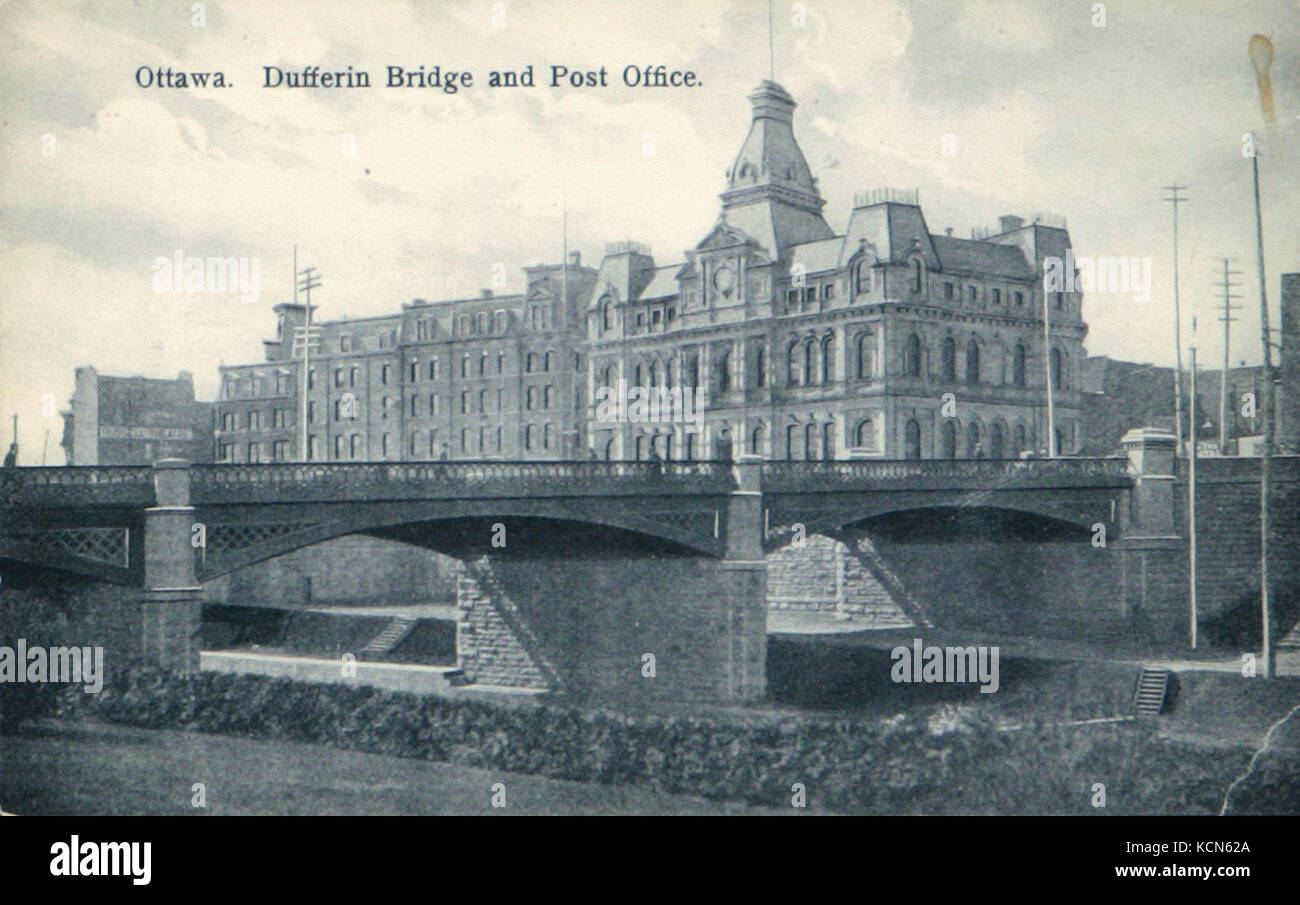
x=593 y=564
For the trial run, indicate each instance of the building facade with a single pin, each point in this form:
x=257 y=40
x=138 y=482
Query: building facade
x=493 y=377
x=882 y=341
x=135 y=420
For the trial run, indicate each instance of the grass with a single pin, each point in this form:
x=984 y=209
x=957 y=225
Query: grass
x=92 y=768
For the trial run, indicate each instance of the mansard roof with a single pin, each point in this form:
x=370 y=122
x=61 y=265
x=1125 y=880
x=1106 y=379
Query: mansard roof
x=663 y=284
x=984 y=258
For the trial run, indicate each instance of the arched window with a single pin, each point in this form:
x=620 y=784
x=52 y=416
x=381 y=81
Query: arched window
x=606 y=313
x=948 y=439
x=810 y=441
x=610 y=375
x=546 y=364
x=792 y=359
x=997 y=443
x=355 y=450
x=652 y=371
x=483 y=365
x=791 y=441
x=756 y=440
x=972 y=362
x=385 y=445
x=530 y=398
x=828 y=359
x=912 y=440
x=482 y=401
x=974 y=450
x=912 y=356
x=433 y=442
x=1058 y=370
x=546 y=435
x=530 y=363
x=810 y=369
x=760 y=367
x=863 y=277
x=609 y=450
x=1020 y=441
x=863 y=437
x=918 y=275
x=528 y=436
x=640 y=447
x=864 y=356
x=693 y=369
x=724 y=372
x=828 y=440
x=668 y=372
x=1060 y=443
x=1018 y=366
x=948 y=358
x=464 y=366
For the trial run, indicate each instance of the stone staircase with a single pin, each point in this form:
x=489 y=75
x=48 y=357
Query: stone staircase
x=1152 y=690
x=392 y=635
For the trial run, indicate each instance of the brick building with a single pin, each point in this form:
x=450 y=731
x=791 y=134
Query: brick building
x=135 y=420
x=487 y=377
x=817 y=344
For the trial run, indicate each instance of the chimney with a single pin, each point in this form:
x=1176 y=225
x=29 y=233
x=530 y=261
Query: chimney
x=1010 y=222
x=947 y=231
x=575 y=259
x=486 y=293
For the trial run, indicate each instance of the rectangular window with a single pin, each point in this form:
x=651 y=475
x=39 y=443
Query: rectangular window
x=415 y=402
x=255 y=421
x=281 y=451
x=997 y=296
x=311 y=379
x=313 y=447
x=433 y=403
x=254 y=452
x=311 y=412
x=415 y=371
x=227 y=452
x=338 y=377
x=345 y=344
x=228 y=421
x=973 y=294
x=1020 y=298
x=947 y=290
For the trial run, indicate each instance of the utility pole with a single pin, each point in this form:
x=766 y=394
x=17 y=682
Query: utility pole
x=1266 y=442
x=1191 y=504
x=1227 y=285
x=306 y=280
x=1047 y=367
x=1175 y=199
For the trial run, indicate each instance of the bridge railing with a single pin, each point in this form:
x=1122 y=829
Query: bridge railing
x=798 y=476
x=127 y=485
x=324 y=481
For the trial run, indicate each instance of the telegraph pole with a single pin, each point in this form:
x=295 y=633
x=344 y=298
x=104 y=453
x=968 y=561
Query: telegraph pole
x=1191 y=503
x=306 y=280
x=1266 y=442
x=1227 y=285
x=1175 y=199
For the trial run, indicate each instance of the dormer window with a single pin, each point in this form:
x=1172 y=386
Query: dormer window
x=918 y=275
x=606 y=312
x=864 y=277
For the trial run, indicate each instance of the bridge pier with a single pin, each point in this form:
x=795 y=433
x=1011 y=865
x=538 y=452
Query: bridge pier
x=1153 y=551
x=171 y=605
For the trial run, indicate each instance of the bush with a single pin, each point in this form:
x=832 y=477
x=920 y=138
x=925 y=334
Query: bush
x=954 y=761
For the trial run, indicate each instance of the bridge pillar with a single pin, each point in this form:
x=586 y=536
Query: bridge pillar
x=1153 y=550
x=744 y=583
x=172 y=599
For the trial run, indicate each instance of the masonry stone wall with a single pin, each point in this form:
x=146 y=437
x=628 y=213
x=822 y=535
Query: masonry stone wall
x=583 y=625
x=355 y=569
x=823 y=574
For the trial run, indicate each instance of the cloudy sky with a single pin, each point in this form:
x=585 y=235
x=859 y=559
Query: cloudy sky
x=986 y=108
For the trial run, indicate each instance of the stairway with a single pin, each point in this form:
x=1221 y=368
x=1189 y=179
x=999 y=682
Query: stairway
x=392 y=635
x=1153 y=686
